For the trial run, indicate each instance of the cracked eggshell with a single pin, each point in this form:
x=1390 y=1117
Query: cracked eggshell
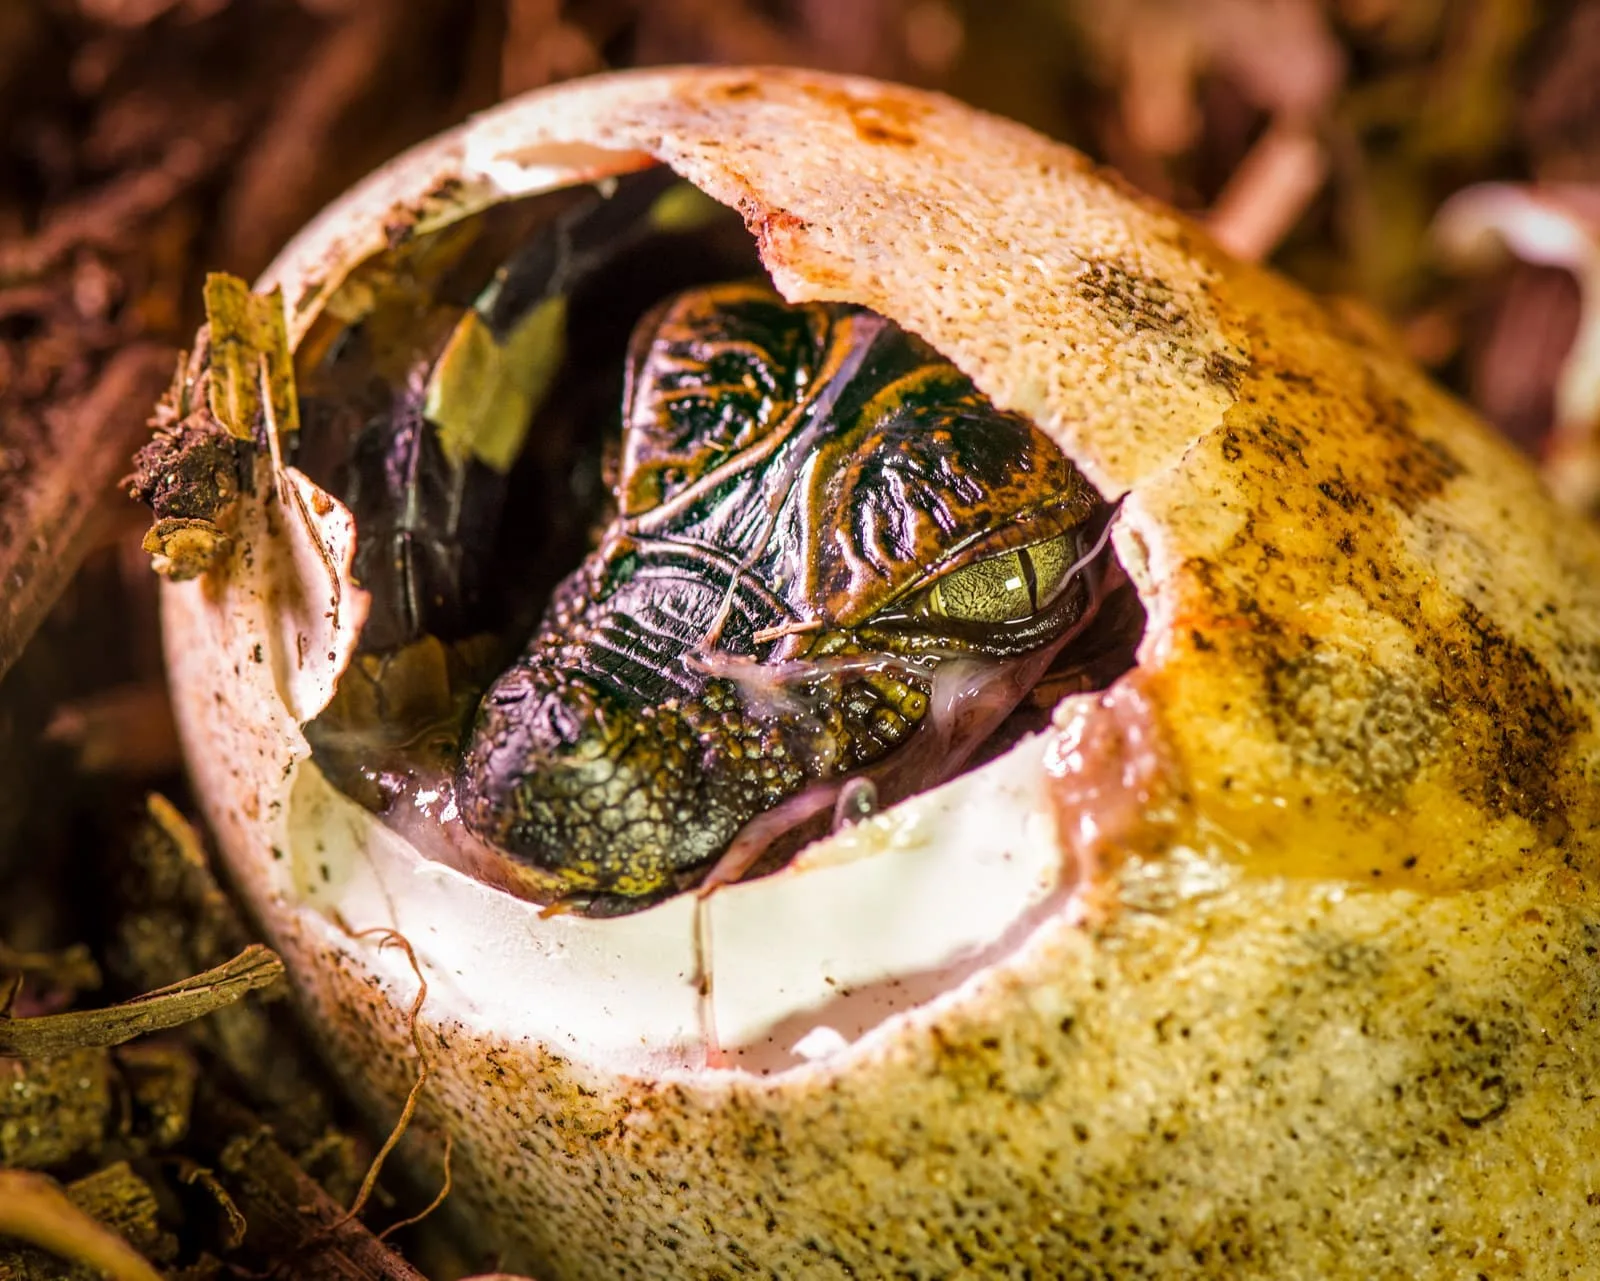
x=1297 y=977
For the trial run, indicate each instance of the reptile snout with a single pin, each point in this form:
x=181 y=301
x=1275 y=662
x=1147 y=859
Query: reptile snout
x=613 y=794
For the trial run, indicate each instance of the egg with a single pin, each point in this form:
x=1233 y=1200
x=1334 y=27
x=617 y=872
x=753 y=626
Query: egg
x=1273 y=958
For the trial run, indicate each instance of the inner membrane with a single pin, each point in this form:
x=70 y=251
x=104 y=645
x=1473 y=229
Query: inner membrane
x=471 y=410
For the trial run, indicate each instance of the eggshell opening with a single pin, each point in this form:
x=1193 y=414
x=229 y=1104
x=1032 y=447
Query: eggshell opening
x=758 y=976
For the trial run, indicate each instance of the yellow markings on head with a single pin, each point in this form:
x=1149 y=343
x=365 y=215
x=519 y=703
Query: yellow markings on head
x=484 y=391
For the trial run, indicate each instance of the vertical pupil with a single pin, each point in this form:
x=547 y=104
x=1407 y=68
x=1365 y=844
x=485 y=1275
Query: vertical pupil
x=1029 y=578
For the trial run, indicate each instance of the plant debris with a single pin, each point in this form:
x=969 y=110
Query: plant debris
x=288 y=1215
x=53 y=1110
x=47 y=1035
x=194 y=466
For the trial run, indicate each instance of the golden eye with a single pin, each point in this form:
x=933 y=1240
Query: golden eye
x=1003 y=588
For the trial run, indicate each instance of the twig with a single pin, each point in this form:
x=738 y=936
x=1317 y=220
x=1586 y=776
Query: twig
x=47 y=531
x=168 y=1007
x=1269 y=191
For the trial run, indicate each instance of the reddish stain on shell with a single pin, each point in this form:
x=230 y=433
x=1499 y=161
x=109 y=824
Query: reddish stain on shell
x=1113 y=782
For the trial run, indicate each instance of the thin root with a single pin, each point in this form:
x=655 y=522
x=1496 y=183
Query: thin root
x=438 y=1200
x=390 y=936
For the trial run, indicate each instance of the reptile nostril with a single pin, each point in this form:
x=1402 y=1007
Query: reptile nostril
x=557 y=723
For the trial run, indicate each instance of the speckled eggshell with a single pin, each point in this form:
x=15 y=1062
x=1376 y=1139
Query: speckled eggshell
x=1323 y=1004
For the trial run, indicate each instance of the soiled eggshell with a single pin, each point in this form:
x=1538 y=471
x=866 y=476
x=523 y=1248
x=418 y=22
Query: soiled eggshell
x=1296 y=976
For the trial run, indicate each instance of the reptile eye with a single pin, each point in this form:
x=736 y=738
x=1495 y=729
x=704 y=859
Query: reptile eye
x=1003 y=588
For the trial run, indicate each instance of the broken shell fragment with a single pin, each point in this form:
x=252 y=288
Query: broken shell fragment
x=1270 y=958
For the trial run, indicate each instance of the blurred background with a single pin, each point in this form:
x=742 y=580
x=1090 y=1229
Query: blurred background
x=1434 y=164
x=146 y=141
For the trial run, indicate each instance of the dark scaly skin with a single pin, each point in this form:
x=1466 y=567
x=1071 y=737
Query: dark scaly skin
x=793 y=478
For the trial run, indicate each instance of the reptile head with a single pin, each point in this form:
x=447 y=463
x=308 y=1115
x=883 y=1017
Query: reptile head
x=832 y=558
